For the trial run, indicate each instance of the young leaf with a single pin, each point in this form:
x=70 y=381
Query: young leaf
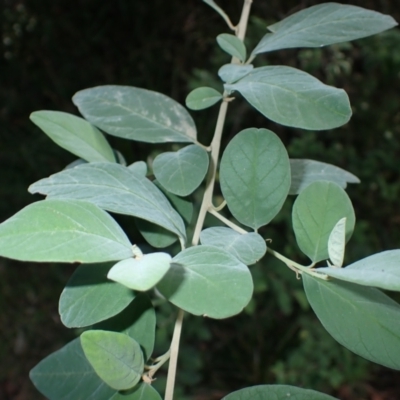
x=276 y=392
x=363 y=319
x=202 y=97
x=337 y=243
x=89 y=297
x=181 y=172
x=138 y=167
x=63 y=231
x=324 y=24
x=143 y=391
x=380 y=270
x=208 y=281
x=232 y=45
x=74 y=134
x=292 y=97
x=230 y=73
x=138 y=321
x=248 y=248
x=316 y=211
x=136 y=114
x=255 y=176
x=66 y=374
x=116 y=357
x=114 y=188
x=305 y=172
x=141 y=273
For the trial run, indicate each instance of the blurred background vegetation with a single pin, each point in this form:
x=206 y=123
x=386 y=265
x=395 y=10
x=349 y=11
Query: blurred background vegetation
x=51 y=49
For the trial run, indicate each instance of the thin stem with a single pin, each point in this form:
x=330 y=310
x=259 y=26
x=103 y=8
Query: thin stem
x=169 y=390
x=160 y=361
x=226 y=221
x=220 y=207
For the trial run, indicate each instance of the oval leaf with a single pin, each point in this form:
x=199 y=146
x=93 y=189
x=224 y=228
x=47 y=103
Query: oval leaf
x=181 y=172
x=143 y=391
x=89 y=297
x=115 y=188
x=63 y=231
x=276 y=392
x=74 y=134
x=322 y=25
x=202 y=97
x=67 y=375
x=363 y=319
x=255 y=176
x=136 y=114
x=116 y=357
x=141 y=273
x=231 y=73
x=316 y=211
x=305 y=172
x=292 y=97
x=337 y=243
x=232 y=45
x=138 y=167
x=247 y=248
x=208 y=281
x=380 y=270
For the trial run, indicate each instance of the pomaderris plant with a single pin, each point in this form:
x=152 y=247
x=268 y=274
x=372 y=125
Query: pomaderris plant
x=111 y=294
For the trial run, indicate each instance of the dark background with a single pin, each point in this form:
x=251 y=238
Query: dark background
x=51 y=49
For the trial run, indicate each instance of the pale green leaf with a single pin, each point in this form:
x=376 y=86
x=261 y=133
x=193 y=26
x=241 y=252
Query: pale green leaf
x=305 y=172
x=67 y=375
x=63 y=231
x=114 y=188
x=337 y=243
x=141 y=273
x=322 y=25
x=202 y=97
x=116 y=357
x=136 y=114
x=138 y=321
x=74 y=134
x=255 y=176
x=232 y=45
x=292 y=97
x=247 y=248
x=361 y=318
x=208 y=281
x=143 y=391
x=316 y=211
x=181 y=172
x=89 y=297
x=380 y=270
x=231 y=73
x=138 y=167
x=277 y=392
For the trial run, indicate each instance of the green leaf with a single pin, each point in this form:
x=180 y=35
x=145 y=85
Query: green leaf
x=305 y=172
x=337 y=243
x=181 y=172
x=114 y=188
x=247 y=248
x=138 y=167
x=143 y=391
x=208 y=281
x=322 y=25
x=116 y=357
x=380 y=270
x=138 y=321
x=89 y=297
x=136 y=114
x=363 y=319
x=276 y=392
x=141 y=273
x=202 y=97
x=292 y=97
x=67 y=375
x=255 y=176
x=316 y=211
x=74 y=134
x=231 y=73
x=232 y=45
x=63 y=231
